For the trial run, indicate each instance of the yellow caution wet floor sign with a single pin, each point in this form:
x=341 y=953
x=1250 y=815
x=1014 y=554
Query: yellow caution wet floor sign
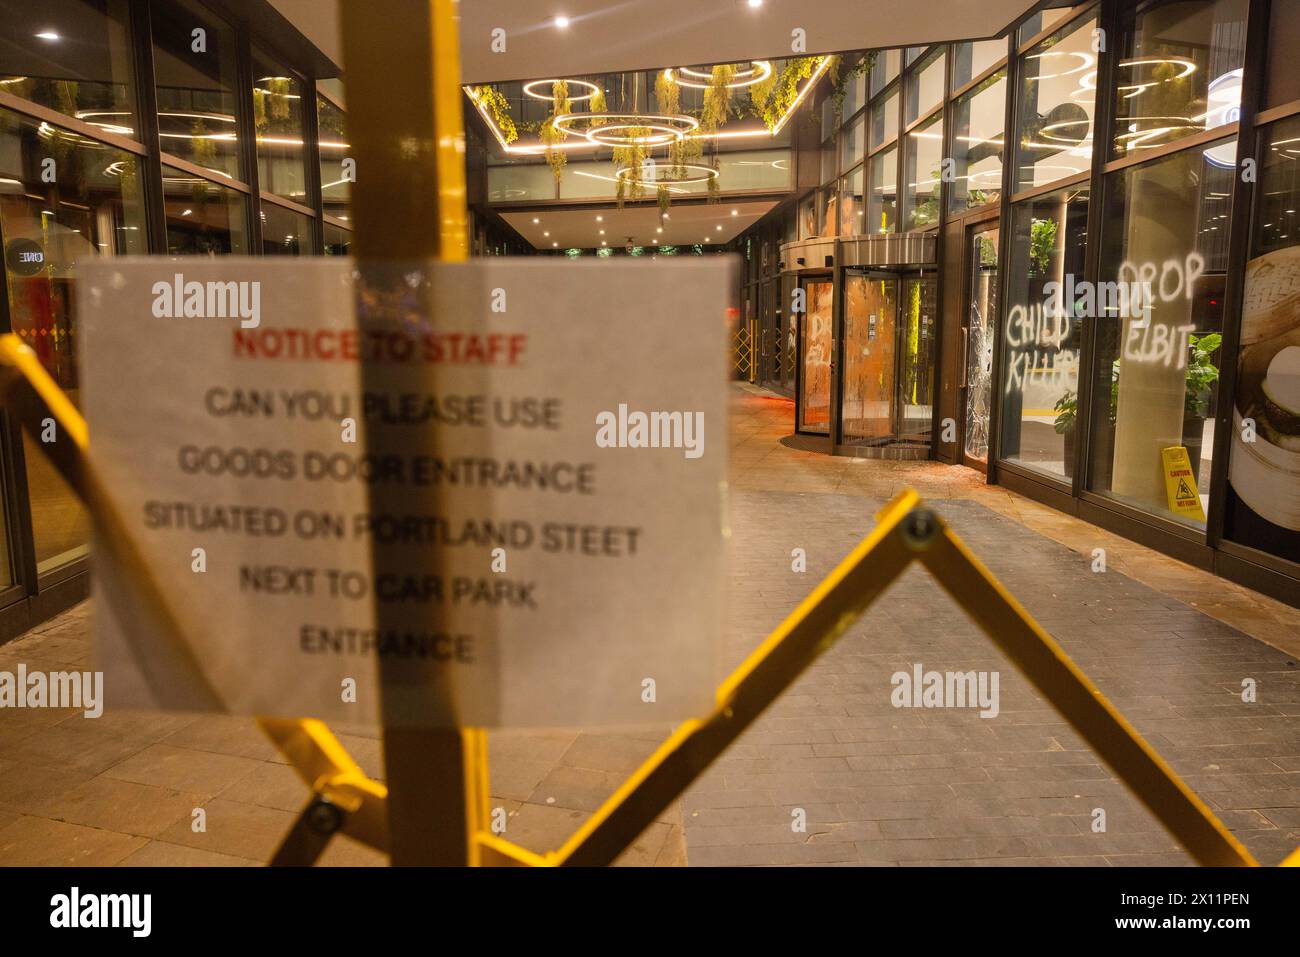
x=1180 y=483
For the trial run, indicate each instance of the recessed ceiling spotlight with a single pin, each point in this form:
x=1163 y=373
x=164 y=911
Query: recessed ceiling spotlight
x=659 y=229
x=602 y=232
x=755 y=4
x=656 y=242
x=735 y=212
x=536 y=220
x=555 y=244
x=47 y=35
x=600 y=219
x=603 y=243
x=545 y=233
x=562 y=22
x=718 y=228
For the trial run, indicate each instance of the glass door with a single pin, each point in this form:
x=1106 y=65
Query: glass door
x=976 y=377
x=816 y=341
x=870 y=358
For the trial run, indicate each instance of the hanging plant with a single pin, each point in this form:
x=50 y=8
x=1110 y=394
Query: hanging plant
x=632 y=157
x=842 y=78
x=717 y=98
x=664 y=198
x=496 y=104
x=785 y=90
x=550 y=134
x=715 y=184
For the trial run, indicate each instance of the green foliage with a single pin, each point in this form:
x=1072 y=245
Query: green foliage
x=1042 y=240
x=785 y=90
x=717 y=98
x=1067 y=409
x=1202 y=373
x=840 y=79
x=550 y=134
x=496 y=103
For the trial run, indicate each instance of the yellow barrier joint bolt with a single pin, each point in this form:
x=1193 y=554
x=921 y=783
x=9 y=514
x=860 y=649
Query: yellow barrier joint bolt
x=920 y=528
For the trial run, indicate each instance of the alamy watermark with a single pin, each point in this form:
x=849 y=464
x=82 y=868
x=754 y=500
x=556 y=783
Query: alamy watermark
x=633 y=429
x=919 y=688
x=83 y=690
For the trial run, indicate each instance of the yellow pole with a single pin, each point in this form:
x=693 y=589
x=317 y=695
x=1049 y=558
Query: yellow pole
x=402 y=75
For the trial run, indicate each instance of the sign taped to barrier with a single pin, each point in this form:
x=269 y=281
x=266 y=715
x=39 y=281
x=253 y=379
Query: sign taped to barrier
x=498 y=485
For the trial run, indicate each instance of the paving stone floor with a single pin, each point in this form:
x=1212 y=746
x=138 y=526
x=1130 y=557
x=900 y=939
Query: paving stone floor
x=879 y=785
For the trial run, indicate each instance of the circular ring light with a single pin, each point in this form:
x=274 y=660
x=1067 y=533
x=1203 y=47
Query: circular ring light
x=759 y=70
x=619 y=129
x=694 y=175
x=1085 y=62
x=1053 y=132
x=530 y=89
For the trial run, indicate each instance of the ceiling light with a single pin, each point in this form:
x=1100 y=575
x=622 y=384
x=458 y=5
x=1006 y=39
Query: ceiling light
x=735 y=212
x=659 y=229
x=602 y=232
x=656 y=242
x=758 y=71
x=755 y=4
x=600 y=219
x=580 y=90
x=719 y=228
x=603 y=243
x=545 y=233
x=536 y=220
x=562 y=22
x=555 y=244
x=47 y=35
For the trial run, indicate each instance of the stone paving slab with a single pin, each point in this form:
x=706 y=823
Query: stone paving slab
x=881 y=785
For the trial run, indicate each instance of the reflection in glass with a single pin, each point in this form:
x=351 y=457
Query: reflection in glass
x=1158 y=360
x=93 y=208
x=884 y=121
x=853 y=144
x=923 y=171
x=1180 y=73
x=196 y=87
x=885 y=69
x=870 y=321
x=882 y=201
x=852 y=212
x=969 y=60
x=277 y=117
x=1041 y=386
x=1263 y=496
x=978 y=119
x=285 y=232
x=815 y=359
x=203 y=217
x=925 y=83
x=978 y=333
x=1057 y=95
x=916 y=359
x=73 y=56
x=335 y=180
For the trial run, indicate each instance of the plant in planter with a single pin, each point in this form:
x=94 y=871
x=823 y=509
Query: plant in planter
x=1067 y=416
x=1202 y=374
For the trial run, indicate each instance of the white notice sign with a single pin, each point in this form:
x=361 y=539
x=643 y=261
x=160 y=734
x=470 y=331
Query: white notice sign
x=500 y=486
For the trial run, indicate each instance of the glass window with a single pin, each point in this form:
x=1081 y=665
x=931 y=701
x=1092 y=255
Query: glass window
x=853 y=144
x=277 y=116
x=335 y=179
x=829 y=168
x=827 y=212
x=93 y=208
x=194 y=71
x=925 y=86
x=978 y=118
x=808 y=218
x=1263 y=498
x=852 y=213
x=1054 y=115
x=870 y=358
x=1282 y=83
x=855 y=92
x=285 y=232
x=882 y=202
x=203 y=218
x=815 y=359
x=1165 y=247
x=1038 y=22
x=923 y=173
x=884 y=121
x=73 y=56
x=969 y=60
x=885 y=69
x=1180 y=73
x=914 y=54
x=1040 y=392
